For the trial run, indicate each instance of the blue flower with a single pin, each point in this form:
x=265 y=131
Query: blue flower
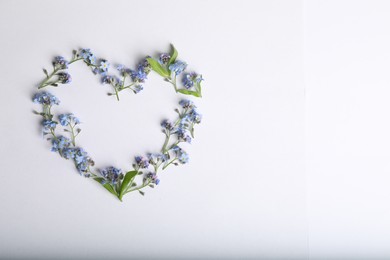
x=48 y=125
x=59 y=62
x=66 y=119
x=69 y=153
x=141 y=162
x=187 y=81
x=45 y=98
x=178 y=67
x=164 y=58
x=166 y=124
x=85 y=53
x=194 y=116
x=111 y=175
x=190 y=79
x=60 y=143
x=182 y=135
x=151 y=177
x=156 y=158
x=185 y=103
x=137 y=88
x=104 y=65
x=181 y=155
x=80 y=157
x=108 y=79
x=138 y=75
x=92 y=59
x=64 y=77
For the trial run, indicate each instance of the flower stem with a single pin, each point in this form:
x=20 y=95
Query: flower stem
x=169 y=163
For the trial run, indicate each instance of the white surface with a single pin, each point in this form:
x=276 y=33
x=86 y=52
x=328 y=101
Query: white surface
x=347 y=64
x=291 y=160
x=243 y=193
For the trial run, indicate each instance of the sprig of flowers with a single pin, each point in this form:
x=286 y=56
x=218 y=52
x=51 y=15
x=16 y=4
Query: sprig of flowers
x=170 y=69
x=166 y=66
x=145 y=168
x=112 y=178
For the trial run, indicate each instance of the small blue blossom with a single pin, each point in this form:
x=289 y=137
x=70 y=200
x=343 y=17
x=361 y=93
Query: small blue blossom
x=108 y=79
x=69 y=153
x=186 y=104
x=60 y=143
x=181 y=155
x=80 y=157
x=178 y=67
x=64 y=77
x=156 y=158
x=141 y=162
x=190 y=79
x=92 y=59
x=187 y=81
x=151 y=177
x=111 y=175
x=45 y=98
x=194 y=116
x=182 y=135
x=166 y=124
x=59 y=62
x=138 y=75
x=66 y=119
x=144 y=65
x=48 y=125
x=164 y=58
x=137 y=88
x=104 y=65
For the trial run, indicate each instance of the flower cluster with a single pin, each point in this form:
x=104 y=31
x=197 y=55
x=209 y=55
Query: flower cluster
x=101 y=67
x=182 y=131
x=111 y=175
x=65 y=146
x=64 y=128
x=166 y=65
x=45 y=98
x=170 y=68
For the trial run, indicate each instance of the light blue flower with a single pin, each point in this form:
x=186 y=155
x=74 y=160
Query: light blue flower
x=64 y=77
x=181 y=155
x=151 y=177
x=59 y=62
x=167 y=125
x=60 y=143
x=66 y=119
x=104 y=65
x=178 y=67
x=48 y=125
x=69 y=153
x=111 y=175
x=85 y=53
x=185 y=103
x=182 y=135
x=141 y=162
x=137 y=88
x=164 y=58
x=194 y=116
x=45 y=98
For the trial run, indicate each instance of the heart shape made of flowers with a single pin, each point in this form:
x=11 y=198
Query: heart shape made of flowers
x=146 y=167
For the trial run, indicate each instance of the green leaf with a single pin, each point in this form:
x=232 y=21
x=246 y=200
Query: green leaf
x=156 y=66
x=189 y=92
x=126 y=181
x=107 y=186
x=173 y=55
x=47 y=74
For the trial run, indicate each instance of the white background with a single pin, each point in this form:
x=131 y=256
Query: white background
x=290 y=161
